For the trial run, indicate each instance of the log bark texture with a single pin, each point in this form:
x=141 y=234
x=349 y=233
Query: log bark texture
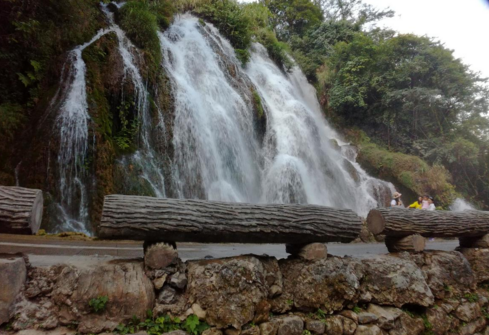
x=404 y=222
x=20 y=210
x=413 y=243
x=153 y=219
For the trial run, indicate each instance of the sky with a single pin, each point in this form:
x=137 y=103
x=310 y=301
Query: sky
x=462 y=26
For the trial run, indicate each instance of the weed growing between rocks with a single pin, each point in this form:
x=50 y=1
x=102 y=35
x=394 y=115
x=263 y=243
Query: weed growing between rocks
x=163 y=324
x=98 y=305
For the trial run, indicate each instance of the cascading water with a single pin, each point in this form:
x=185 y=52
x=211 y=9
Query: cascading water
x=216 y=149
x=460 y=205
x=216 y=154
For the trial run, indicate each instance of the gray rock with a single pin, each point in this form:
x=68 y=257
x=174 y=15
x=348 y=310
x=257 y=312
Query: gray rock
x=439 y=319
x=269 y=328
x=473 y=327
x=389 y=280
x=229 y=290
x=315 y=326
x=479 y=262
x=468 y=311
x=13 y=274
x=160 y=281
x=349 y=326
x=406 y=325
x=334 y=325
x=255 y=330
x=387 y=316
x=447 y=274
x=167 y=295
x=350 y=315
x=291 y=325
x=368 y=330
x=212 y=331
x=328 y=284
x=179 y=280
x=365 y=317
x=176 y=332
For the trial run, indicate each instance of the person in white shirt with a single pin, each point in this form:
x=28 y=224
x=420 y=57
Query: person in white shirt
x=396 y=201
x=431 y=204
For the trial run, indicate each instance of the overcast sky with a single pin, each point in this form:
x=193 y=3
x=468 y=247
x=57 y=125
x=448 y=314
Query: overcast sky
x=461 y=25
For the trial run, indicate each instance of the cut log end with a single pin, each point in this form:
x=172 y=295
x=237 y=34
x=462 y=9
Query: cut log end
x=411 y=243
x=20 y=210
x=375 y=222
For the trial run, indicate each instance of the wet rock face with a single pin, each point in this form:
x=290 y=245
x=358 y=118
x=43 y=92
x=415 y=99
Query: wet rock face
x=328 y=284
x=13 y=274
x=388 y=280
x=229 y=290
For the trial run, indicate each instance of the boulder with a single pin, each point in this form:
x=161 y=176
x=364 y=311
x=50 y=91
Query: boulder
x=269 y=328
x=349 y=326
x=310 y=252
x=198 y=311
x=472 y=327
x=129 y=293
x=350 y=315
x=160 y=281
x=291 y=325
x=389 y=280
x=447 y=274
x=262 y=312
x=315 y=326
x=468 y=311
x=328 y=284
x=254 y=330
x=368 y=330
x=179 y=280
x=406 y=325
x=212 y=331
x=334 y=325
x=387 y=316
x=479 y=262
x=57 y=331
x=439 y=319
x=228 y=289
x=13 y=274
x=364 y=318
x=166 y=295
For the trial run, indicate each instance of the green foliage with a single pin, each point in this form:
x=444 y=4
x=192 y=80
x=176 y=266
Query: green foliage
x=471 y=297
x=320 y=314
x=356 y=309
x=228 y=16
x=163 y=324
x=98 y=305
x=11 y=118
x=257 y=104
x=141 y=21
x=306 y=332
x=289 y=302
x=428 y=327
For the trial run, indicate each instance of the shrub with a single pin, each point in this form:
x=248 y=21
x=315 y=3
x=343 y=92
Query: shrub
x=98 y=305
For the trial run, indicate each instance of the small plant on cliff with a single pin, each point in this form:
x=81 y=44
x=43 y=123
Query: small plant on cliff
x=320 y=314
x=356 y=309
x=98 y=305
x=472 y=297
x=194 y=326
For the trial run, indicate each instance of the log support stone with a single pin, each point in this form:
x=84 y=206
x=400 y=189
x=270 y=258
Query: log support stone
x=311 y=251
x=20 y=210
x=411 y=243
x=159 y=255
x=475 y=242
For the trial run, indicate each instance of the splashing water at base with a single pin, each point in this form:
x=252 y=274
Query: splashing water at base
x=460 y=205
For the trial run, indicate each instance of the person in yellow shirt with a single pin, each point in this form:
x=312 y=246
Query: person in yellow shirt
x=418 y=204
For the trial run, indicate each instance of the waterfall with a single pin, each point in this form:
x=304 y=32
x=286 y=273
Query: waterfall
x=460 y=205
x=217 y=154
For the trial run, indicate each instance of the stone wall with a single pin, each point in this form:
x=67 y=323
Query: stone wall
x=433 y=292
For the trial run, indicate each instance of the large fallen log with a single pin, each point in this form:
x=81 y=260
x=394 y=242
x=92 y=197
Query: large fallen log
x=176 y=220
x=404 y=222
x=20 y=210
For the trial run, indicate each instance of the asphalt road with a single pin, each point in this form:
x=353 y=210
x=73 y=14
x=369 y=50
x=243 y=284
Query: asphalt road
x=52 y=250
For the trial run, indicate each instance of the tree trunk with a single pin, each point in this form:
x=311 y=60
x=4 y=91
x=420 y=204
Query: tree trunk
x=153 y=219
x=413 y=243
x=20 y=210
x=403 y=222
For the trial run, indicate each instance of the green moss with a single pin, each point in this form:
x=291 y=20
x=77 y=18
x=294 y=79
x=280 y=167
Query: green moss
x=257 y=104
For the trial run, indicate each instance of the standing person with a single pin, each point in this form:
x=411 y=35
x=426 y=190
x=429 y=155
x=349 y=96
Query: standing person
x=431 y=206
x=396 y=201
x=418 y=204
x=425 y=204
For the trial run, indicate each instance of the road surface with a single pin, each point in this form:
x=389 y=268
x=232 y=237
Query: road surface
x=52 y=250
